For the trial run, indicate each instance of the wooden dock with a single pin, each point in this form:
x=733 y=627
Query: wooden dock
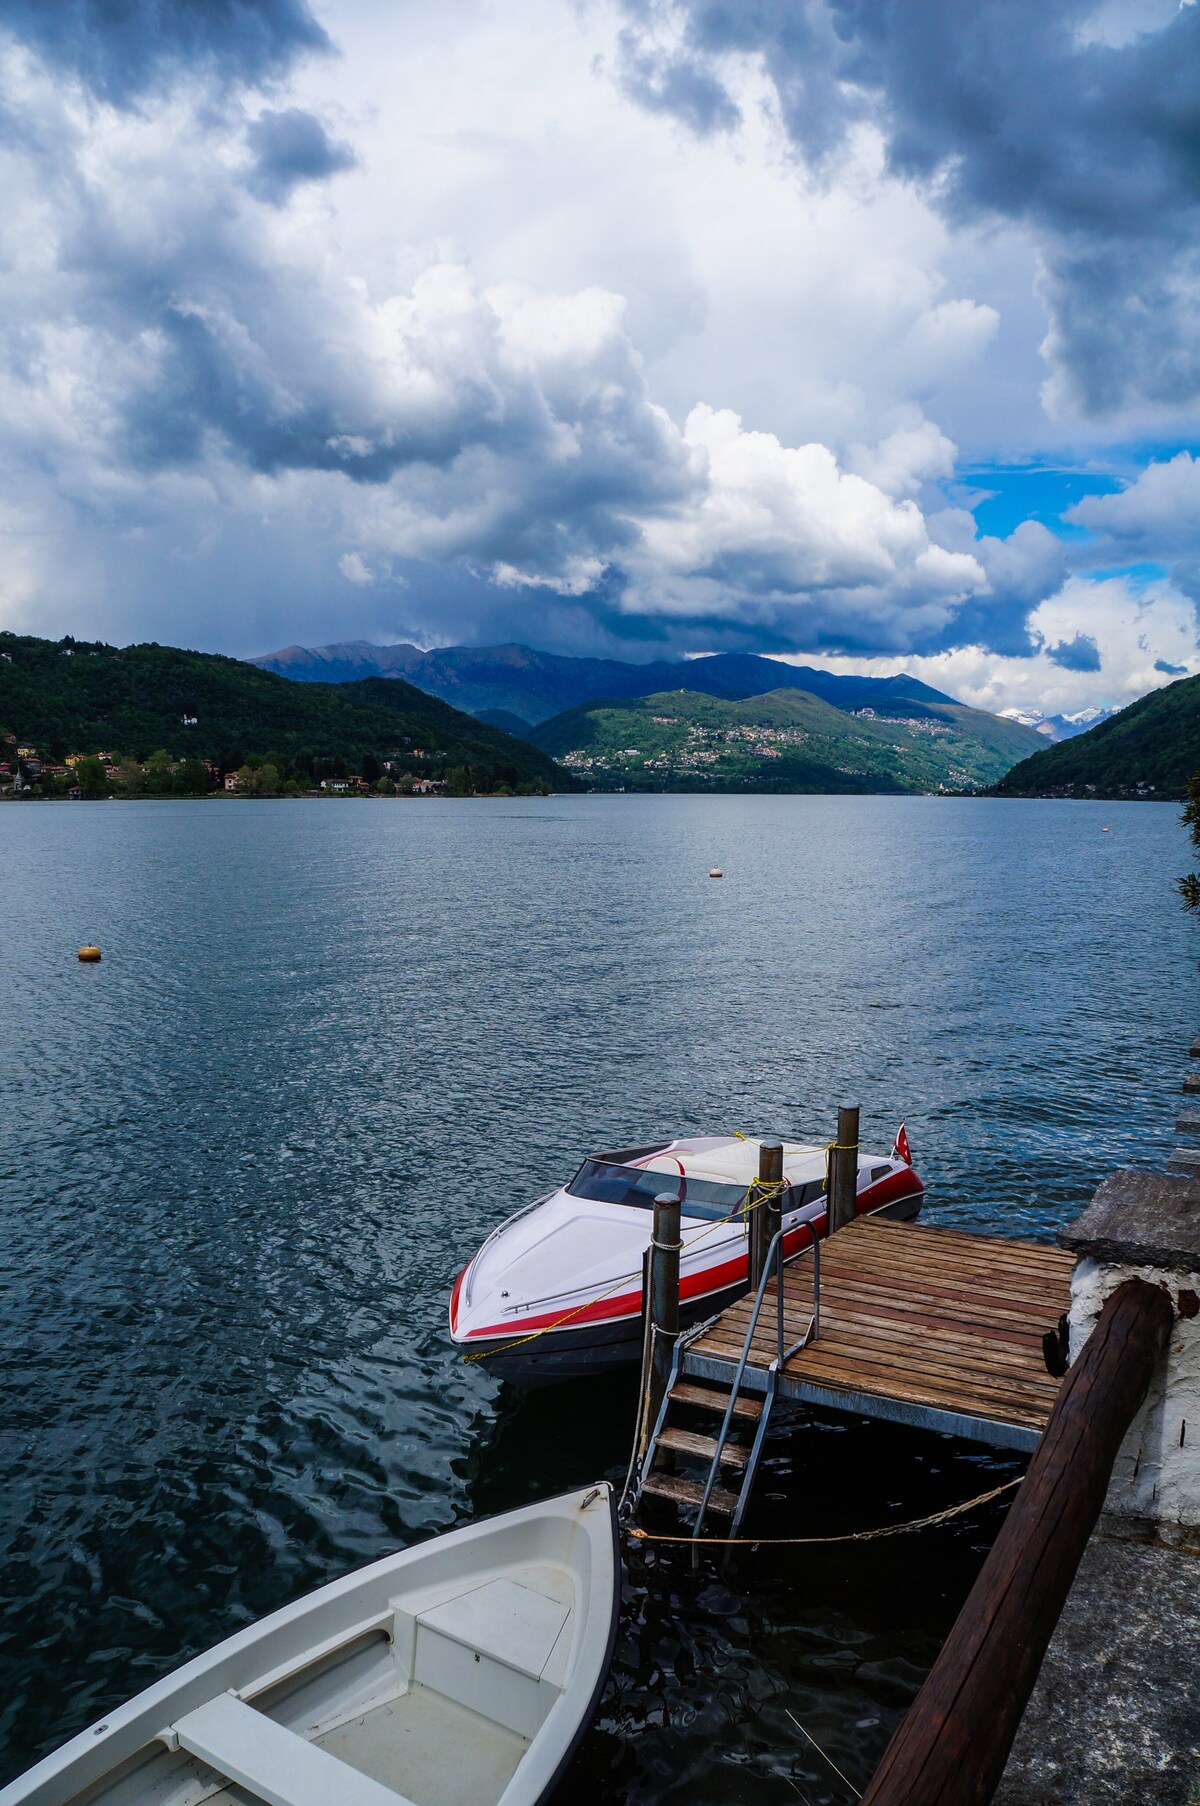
x=937 y=1328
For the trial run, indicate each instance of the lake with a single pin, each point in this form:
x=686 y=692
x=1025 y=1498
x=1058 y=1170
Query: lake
x=331 y=1044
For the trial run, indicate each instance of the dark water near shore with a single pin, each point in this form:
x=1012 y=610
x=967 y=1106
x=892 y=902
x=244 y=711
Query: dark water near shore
x=331 y=1044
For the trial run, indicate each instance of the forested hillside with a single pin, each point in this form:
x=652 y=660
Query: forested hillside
x=1153 y=745
x=786 y=740
x=67 y=696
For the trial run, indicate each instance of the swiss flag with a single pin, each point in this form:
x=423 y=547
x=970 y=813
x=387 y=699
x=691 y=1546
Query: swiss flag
x=900 y=1147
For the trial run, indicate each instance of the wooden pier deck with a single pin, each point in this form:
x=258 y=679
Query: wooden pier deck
x=938 y=1328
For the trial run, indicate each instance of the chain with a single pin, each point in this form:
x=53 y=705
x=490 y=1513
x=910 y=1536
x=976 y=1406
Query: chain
x=850 y=1536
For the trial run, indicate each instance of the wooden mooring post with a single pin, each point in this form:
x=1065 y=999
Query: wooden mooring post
x=951 y=1748
x=664 y=1296
x=843 y=1170
x=766 y=1217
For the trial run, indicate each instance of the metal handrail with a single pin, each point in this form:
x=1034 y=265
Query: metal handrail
x=814 y=1322
x=774 y=1259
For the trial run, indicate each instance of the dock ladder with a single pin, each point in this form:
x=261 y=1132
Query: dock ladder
x=729 y=1459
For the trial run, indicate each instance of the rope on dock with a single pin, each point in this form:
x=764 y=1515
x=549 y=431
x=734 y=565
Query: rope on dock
x=637 y=1534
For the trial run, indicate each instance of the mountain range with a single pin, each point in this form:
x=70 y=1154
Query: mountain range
x=1059 y=727
x=505 y=685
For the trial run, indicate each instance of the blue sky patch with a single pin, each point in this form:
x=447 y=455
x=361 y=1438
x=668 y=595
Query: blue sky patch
x=1016 y=493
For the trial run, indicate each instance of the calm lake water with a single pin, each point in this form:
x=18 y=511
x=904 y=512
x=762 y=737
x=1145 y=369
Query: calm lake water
x=330 y=1045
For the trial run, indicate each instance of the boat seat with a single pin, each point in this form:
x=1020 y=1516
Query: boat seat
x=272 y=1763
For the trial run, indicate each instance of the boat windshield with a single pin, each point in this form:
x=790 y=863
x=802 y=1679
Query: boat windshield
x=610 y=1184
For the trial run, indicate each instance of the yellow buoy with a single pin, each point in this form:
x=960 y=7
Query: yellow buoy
x=89 y=953
x=716 y=872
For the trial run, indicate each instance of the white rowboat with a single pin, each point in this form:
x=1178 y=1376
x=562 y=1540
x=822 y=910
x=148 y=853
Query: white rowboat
x=459 y=1673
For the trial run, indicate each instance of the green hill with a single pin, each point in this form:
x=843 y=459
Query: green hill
x=1154 y=744
x=786 y=740
x=69 y=696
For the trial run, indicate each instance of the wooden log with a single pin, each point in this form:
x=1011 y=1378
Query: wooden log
x=952 y=1745
x=764 y=1220
x=664 y=1295
x=843 y=1170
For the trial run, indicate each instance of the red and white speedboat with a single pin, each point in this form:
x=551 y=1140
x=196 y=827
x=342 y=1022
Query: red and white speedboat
x=556 y=1291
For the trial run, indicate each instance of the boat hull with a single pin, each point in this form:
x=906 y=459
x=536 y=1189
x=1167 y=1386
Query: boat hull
x=576 y=1354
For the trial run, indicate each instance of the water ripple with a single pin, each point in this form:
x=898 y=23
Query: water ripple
x=329 y=1047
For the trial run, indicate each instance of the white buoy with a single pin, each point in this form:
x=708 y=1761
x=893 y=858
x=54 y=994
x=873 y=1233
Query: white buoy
x=716 y=872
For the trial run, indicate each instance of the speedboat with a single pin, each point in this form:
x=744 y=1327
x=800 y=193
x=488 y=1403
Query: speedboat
x=556 y=1291
x=466 y=1669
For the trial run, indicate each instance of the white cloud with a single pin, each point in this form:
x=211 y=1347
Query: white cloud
x=1160 y=509
x=184 y=332
x=774 y=523
x=355 y=569
x=554 y=346
x=1134 y=630
x=911 y=455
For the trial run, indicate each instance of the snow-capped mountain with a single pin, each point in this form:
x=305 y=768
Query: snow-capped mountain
x=1058 y=727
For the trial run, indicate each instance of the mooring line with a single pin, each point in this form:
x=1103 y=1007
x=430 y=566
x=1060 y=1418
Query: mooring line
x=637 y=1534
x=825 y=1756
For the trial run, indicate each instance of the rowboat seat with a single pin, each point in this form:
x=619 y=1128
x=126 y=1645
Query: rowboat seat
x=273 y=1763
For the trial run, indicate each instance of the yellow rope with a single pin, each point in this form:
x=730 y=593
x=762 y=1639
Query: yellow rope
x=484 y=1353
x=850 y=1536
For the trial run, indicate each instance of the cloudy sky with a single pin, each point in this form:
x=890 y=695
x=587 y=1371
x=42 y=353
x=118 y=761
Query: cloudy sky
x=864 y=331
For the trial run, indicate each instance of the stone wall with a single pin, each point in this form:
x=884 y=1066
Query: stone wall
x=1147 y=1226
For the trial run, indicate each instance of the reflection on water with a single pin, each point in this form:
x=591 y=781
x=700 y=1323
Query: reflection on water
x=330 y=1045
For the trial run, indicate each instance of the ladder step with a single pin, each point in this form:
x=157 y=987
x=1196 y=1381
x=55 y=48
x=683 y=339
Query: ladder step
x=689 y=1492
x=685 y=1443
x=684 y=1393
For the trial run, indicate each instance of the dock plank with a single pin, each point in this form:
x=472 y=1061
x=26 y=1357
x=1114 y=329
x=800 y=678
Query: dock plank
x=844 y=1362
x=941 y=1320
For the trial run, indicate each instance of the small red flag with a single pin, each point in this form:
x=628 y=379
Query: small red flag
x=900 y=1147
